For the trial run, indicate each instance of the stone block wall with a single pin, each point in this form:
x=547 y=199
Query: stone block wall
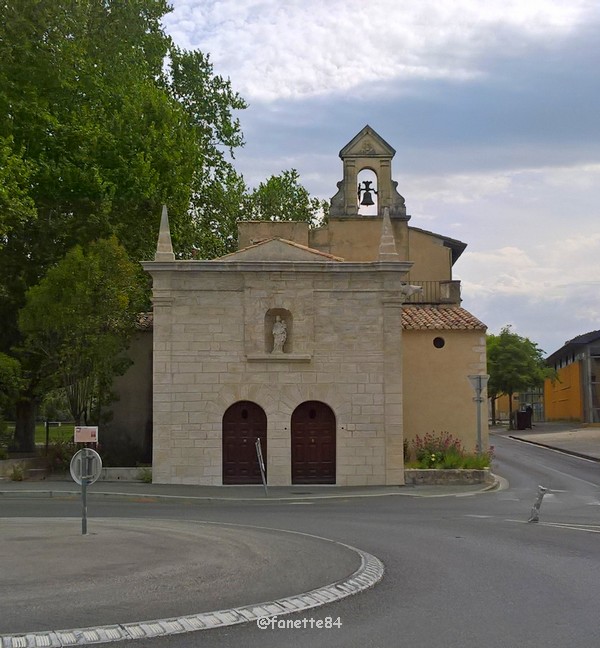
x=211 y=351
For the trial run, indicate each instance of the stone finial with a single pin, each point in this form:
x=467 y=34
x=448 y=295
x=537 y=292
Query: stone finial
x=164 y=249
x=387 y=243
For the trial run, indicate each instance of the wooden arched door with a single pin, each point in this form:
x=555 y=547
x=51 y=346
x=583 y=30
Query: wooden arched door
x=243 y=423
x=313 y=444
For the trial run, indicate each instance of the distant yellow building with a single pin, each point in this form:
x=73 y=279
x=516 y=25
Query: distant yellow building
x=521 y=400
x=575 y=395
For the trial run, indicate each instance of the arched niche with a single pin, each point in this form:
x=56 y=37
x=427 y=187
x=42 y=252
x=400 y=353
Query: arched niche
x=271 y=317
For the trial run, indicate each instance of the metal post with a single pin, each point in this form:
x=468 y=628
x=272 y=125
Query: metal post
x=479 y=399
x=535 y=509
x=84 y=483
x=85 y=468
x=478 y=383
x=86 y=460
x=261 y=465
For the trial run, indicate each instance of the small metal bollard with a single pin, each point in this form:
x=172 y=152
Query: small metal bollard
x=535 y=509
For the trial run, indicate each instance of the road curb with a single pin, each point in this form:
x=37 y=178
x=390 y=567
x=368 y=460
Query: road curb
x=572 y=453
x=369 y=573
x=214 y=498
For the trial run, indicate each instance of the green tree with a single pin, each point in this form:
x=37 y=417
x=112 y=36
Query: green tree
x=10 y=384
x=102 y=120
x=515 y=364
x=79 y=320
x=283 y=198
x=217 y=207
x=16 y=206
x=229 y=200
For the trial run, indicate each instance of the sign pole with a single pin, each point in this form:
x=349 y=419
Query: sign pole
x=479 y=400
x=84 y=482
x=261 y=465
x=479 y=382
x=86 y=466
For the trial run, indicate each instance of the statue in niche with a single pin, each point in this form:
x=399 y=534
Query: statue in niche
x=279 y=334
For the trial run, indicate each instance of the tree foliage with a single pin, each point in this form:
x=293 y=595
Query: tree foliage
x=280 y=198
x=102 y=120
x=283 y=198
x=79 y=320
x=10 y=381
x=16 y=206
x=515 y=364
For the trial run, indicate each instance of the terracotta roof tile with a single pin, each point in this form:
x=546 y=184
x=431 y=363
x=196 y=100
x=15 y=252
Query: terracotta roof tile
x=439 y=317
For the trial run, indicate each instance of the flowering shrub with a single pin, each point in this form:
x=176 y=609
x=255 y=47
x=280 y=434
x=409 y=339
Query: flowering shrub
x=445 y=451
x=432 y=449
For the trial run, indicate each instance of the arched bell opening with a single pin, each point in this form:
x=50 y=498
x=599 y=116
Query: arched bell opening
x=367 y=193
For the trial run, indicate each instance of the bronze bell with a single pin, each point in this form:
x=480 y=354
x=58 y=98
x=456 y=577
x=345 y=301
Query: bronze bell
x=367 y=198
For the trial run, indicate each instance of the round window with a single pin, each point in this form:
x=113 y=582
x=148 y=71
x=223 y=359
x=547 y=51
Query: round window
x=439 y=342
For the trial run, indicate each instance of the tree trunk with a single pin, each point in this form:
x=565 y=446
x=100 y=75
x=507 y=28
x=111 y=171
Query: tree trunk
x=493 y=399
x=24 y=439
x=510 y=412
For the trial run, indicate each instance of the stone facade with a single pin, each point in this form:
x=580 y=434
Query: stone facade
x=351 y=346
x=212 y=348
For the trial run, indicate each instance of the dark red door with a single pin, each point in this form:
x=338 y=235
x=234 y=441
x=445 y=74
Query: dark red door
x=313 y=444
x=243 y=423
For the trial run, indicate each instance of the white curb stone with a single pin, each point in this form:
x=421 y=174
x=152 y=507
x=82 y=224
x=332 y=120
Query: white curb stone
x=367 y=575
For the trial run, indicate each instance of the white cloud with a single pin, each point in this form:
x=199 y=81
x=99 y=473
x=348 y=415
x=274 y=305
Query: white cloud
x=551 y=292
x=275 y=49
x=508 y=163
x=541 y=269
x=456 y=189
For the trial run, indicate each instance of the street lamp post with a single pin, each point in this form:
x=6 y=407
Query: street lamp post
x=479 y=383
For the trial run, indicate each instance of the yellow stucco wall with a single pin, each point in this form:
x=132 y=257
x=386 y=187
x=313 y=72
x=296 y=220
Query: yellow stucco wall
x=438 y=396
x=563 y=399
x=357 y=239
x=502 y=405
x=432 y=260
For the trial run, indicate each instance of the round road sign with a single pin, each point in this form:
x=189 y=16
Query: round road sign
x=86 y=464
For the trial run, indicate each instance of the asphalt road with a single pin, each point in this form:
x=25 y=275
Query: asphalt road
x=460 y=571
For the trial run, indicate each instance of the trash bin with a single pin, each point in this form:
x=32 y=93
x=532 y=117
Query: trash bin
x=523 y=420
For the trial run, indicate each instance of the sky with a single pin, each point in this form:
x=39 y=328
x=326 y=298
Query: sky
x=492 y=106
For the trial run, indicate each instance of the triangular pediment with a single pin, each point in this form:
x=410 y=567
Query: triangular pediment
x=367 y=144
x=277 y=249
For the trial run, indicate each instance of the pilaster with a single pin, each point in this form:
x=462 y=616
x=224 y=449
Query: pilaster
x=393 y=400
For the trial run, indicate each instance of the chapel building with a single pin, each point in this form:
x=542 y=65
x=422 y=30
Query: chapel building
x=333 y=346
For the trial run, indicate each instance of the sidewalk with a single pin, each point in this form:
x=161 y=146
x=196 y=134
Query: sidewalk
x=165 y=492
x=571 y=438
x=566 y=437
